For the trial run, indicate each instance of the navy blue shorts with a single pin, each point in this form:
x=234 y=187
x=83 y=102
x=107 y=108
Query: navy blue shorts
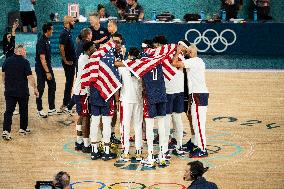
x=103 y=110
x=175 y=103
x=201 y=99
x=82 y=105
x=154 y=110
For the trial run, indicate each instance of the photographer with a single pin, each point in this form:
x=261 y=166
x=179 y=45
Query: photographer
x=61 y=181
x=194 y=173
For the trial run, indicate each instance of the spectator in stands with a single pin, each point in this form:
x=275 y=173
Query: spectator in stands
x=16 y=74
x=134 y=8
x=28 y=16
x=9 y=41
x=231 y=7
x=262 y=7
x=119 y=6
x=99 y=34
x=62 y=180
x=102 y=11
x=194 y=173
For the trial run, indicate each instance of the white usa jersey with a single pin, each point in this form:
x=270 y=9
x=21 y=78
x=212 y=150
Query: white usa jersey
x=195 y=69
x=131 y=91
x=83 y=60
x=176 y=84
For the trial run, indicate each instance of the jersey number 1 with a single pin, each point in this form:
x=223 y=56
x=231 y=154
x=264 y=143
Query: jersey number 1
x=155 y=74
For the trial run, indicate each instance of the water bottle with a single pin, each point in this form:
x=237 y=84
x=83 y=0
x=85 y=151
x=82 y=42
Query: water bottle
x=220 y=13
x=224 y=14
x=255 y=15
x=154 y=15
x=202 y=15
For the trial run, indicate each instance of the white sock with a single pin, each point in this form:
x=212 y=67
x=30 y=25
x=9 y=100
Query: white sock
x=95 y=148
x=86 y=142
x=78 y=127
x=150 y=155
x=126 y=150
x=193 y=139
x=79 y=139
x=107 y=149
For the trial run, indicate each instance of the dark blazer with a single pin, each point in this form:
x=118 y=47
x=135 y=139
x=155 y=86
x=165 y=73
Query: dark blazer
x=201 y=183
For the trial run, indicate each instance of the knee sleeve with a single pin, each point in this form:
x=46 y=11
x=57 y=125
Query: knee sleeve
x=94 y=128
x=106 y=128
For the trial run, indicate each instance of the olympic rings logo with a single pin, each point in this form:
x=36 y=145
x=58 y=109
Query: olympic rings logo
x=214 y=40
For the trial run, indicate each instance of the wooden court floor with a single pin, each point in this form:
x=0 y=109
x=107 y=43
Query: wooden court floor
x=245 y=133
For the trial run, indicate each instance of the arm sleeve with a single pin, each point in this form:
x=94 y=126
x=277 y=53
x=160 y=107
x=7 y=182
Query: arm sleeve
x=41 y=48
x=27 y=68
x=62 y=39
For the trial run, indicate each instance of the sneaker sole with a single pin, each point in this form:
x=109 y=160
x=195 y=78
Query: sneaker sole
x=86 y=152
x=40 y=116
x=95 y=158
x=7 y=139
x=52 y=114
x=198 y=157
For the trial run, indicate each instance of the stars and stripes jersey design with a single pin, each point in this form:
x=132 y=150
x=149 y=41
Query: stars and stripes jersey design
x=109 y=59
x=153 y=57
x=101 y=73
x=154 y=85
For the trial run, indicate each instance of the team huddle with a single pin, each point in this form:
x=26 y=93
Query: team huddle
x=144 y=87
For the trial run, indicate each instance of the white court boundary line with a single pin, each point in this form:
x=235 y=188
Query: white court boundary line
x=222 y=70
x=245 y=70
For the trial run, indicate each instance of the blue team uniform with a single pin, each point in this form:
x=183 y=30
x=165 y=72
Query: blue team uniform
x=155 y=98
x=98 y=105
x=175 y=103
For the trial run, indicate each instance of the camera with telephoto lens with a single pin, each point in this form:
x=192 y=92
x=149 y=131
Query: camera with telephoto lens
x=44 y=185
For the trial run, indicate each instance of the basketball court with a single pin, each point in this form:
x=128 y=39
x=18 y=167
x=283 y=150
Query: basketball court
x=245 y=132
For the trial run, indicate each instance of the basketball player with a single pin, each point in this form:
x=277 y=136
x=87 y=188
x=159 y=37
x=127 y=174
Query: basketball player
x=175 y=107
x=198 y=93
x=131 y=108
x=81 y=100
x=155 y=99
x=103 y=109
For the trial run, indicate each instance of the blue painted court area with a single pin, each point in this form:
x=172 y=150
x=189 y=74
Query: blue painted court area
x=211 y=61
